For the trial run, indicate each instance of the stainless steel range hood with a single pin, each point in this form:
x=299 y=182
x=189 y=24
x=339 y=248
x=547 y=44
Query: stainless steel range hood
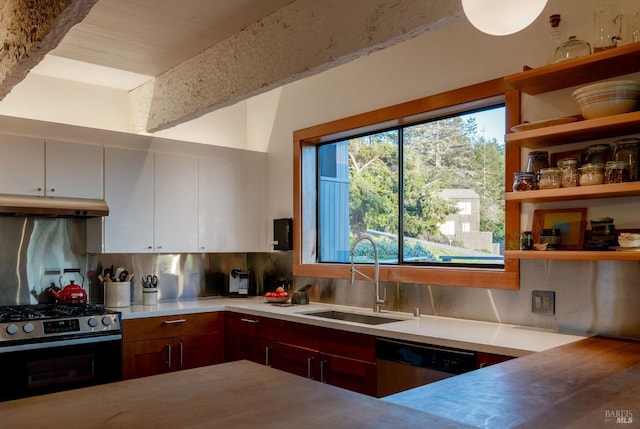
x=22 y=205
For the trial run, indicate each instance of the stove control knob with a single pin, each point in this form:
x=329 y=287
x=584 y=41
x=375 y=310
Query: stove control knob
x=28 y=327
x=12 y=329
x=106 y=320
x=93 y=322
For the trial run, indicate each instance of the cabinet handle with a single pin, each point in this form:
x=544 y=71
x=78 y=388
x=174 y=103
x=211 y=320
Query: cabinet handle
x=267 y=355
x=309 y=363
x=322 y=365
x=180 y=360
x=52 y=190
x=149 y=247
x=168 y=355
x=171 y=322
x=249 y=321
x=39 y=189
x=158 y=247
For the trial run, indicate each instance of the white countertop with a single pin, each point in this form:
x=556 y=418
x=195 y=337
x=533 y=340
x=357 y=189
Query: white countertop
x=510 y=340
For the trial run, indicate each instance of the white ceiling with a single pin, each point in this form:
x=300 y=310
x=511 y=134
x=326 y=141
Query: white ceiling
x=124 y=43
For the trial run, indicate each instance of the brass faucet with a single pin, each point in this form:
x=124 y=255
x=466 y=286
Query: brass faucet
x=377 y=301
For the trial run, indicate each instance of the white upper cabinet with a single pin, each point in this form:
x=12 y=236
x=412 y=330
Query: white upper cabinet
x=29 y=166
x=21 y=165
x=176 y=203
x=74 y=170
x=229 y=215
x=129 y=194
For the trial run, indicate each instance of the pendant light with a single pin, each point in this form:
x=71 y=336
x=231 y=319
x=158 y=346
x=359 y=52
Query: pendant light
x=502 y=17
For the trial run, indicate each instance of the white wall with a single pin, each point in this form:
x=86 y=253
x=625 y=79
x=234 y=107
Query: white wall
x=58 y=100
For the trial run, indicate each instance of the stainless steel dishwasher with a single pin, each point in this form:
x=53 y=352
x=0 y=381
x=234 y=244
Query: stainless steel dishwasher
x=403 y=365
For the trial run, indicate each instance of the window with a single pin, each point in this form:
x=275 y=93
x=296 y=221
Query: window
x=418 y=182
x=421 y=179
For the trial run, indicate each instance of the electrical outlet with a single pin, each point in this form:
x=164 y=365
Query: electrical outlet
x=543 y=302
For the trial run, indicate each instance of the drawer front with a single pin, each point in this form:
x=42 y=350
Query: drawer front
x=348 y=344
x=171 y=326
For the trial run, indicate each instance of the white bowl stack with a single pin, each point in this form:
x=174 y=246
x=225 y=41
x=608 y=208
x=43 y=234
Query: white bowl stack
x=629 y=239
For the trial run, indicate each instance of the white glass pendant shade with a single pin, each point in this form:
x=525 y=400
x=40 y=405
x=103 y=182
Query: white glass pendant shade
x=502 y=17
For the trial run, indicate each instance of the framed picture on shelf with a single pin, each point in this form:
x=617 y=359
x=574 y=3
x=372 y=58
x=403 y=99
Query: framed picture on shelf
x=571 y=223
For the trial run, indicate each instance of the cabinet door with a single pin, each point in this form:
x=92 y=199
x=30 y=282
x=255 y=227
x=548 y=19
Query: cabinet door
x=21 y=165
x=176 y=203
x=193 y=351
x=296 y=360
x=229 y=216
x=74 y=170
x=248 y=337
x=150 y=357
x=352 y=374
x=129 y=194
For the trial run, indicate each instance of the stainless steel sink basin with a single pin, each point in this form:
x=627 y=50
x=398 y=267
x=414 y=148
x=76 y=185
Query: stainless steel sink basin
x=352 y=317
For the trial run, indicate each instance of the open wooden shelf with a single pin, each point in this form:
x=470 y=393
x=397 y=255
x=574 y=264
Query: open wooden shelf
x=576 y=255
x=584 y=70
x=585 y=130
x=602 y=65
x=613 y=190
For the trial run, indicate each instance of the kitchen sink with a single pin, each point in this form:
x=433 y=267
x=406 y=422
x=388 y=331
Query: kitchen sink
x=367 y=319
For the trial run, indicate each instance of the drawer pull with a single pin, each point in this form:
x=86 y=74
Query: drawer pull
x=249 y=320
x=309 y=365
x=267 y=355
x=171 y=322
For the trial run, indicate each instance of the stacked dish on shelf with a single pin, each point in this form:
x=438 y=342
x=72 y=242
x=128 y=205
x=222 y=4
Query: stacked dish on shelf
x=607 y=98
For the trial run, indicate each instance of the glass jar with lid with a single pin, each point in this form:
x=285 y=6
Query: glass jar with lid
x=616 y=172
x=591 y=174
x=572 y=48
x=550 y=178
x=597 y=154
x=537 y=160
x=628 y=149
x=569 y=168
x=523 y=181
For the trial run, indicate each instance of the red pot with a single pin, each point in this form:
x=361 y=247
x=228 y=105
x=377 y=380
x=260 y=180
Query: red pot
x=70 y=294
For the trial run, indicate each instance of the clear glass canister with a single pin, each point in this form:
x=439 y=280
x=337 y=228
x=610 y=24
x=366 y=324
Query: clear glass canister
x=523 y=181
x=591 y=174
x=550 y=178
x=569 y=168
x=572 y=48
x=537 y=160
x=616 y=172
x=597 y=154
x=628 y=150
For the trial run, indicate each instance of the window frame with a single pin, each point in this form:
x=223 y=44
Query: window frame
x=304 y=189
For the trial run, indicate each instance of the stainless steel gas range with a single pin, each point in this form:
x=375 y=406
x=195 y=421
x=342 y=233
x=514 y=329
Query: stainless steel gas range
x=47 y=348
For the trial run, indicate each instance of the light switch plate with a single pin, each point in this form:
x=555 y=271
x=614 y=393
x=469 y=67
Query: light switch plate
x=543 y=302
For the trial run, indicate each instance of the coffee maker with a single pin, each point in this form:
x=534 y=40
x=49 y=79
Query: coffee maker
x=239 y=283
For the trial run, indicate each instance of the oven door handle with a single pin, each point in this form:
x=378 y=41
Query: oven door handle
x=60 y=343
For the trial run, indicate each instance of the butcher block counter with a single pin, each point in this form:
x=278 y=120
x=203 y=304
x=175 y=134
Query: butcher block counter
x=238 y=394
x=591 y=383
